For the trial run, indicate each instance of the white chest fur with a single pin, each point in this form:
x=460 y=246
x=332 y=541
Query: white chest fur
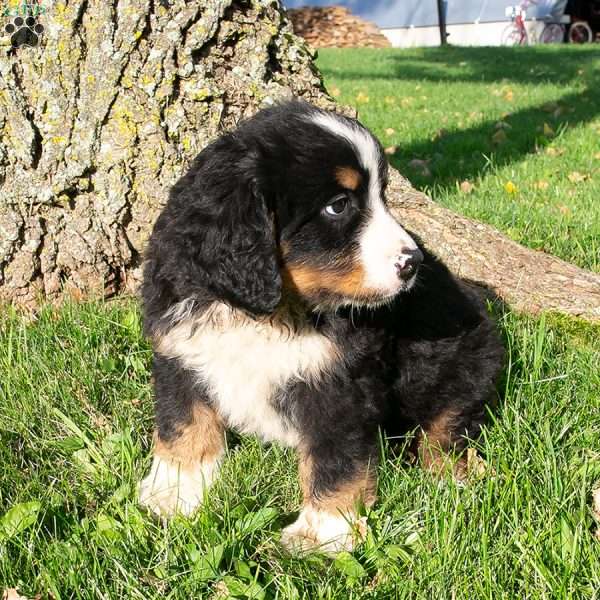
x=245 y=362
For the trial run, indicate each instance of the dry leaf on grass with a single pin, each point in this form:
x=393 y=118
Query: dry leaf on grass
x=508 y=95
x=550 y=151
x=420 y=165
x=564 y=210
x=335 y=92
x=510 y=187
x=577 y=177
x=548 y=131
x=362 y=98
x=499 y=137
x=550 y=107
x=596 y=510
x=390 y=150
x=541 y=185
x=596 y=503
x=466 y=187
x=390 y=131
x=12 y=594
x=477 y=466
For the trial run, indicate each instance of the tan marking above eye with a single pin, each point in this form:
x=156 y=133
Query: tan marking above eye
x=348 y=177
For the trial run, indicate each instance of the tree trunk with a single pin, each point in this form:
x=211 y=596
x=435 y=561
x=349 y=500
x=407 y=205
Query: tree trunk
x=101 y=118
x=527 y=280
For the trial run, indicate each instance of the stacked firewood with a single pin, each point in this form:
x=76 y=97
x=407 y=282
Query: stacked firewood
x=335 y=26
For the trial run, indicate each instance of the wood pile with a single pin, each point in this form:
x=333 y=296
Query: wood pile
x=335 y=27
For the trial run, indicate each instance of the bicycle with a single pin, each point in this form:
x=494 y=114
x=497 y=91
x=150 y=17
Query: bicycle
x=580 y=33
x=515 y=34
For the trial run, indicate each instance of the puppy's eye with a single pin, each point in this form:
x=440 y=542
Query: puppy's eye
x=338 y=206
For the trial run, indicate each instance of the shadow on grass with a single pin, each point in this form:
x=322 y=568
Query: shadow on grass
x=462 y=154
x=466 y=153
x=536 y=64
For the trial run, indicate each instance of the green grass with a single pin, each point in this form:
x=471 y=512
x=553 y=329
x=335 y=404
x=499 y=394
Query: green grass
x=76 y=401
x=446 y=105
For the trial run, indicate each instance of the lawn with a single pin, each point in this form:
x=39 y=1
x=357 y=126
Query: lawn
x=76 y=398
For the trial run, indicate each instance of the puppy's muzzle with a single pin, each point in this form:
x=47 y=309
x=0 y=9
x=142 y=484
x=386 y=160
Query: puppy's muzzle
x=408 y=263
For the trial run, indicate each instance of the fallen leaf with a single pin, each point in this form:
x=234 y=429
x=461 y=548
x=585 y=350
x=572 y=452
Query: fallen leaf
x=466 y=187
x=596 y=510
x=510 y=187
x=420 y=165
x=508 y=95
x=541 y=185
x=12 y=594
x=565 y=210
x=439 y=134
x=477 y=466
x=596 y=503
x=390 y=131
x=362 y=98
x=550 y=151
x=407 y=101
x=499 y=137
x=549 y=107
x=548 y=131
x=335 y=92
x=576 y=177
x=391 y=150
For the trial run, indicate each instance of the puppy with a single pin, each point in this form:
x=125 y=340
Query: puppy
x=285 y=301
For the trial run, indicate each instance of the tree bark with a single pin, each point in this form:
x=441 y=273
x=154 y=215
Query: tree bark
x=103 y=116
x=527 y=280
x=99 y=120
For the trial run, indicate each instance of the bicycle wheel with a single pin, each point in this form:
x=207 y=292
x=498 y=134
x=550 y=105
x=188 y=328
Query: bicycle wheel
x=553 y=33
x=580 y=33
x=513 y=36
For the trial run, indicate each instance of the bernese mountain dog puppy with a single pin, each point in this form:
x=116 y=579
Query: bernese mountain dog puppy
x=284 y=300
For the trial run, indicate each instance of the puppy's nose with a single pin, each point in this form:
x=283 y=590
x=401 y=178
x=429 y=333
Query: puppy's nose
x=408 y=263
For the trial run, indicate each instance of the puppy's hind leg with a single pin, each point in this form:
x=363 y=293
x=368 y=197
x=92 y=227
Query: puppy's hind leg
x=188 y=444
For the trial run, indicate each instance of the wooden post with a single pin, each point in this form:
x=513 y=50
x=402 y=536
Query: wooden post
x=442 y=22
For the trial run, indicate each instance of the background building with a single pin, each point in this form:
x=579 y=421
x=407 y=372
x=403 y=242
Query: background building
x=470 y=22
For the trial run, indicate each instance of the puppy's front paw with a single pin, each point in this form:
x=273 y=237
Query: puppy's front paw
x=319 y=531
x=169 y=488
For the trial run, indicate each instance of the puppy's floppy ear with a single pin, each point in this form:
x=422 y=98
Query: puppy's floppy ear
x=245 y=270
x=219 y=235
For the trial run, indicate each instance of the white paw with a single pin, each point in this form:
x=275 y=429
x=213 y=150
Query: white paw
x=320 y=531
x=170 y=489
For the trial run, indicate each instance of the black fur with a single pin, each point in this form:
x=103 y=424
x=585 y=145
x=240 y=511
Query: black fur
x=262 y=188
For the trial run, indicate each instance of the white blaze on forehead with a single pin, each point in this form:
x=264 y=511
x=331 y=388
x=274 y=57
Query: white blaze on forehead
x=361 y=140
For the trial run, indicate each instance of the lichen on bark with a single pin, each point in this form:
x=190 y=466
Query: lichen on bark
x=99 y=120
